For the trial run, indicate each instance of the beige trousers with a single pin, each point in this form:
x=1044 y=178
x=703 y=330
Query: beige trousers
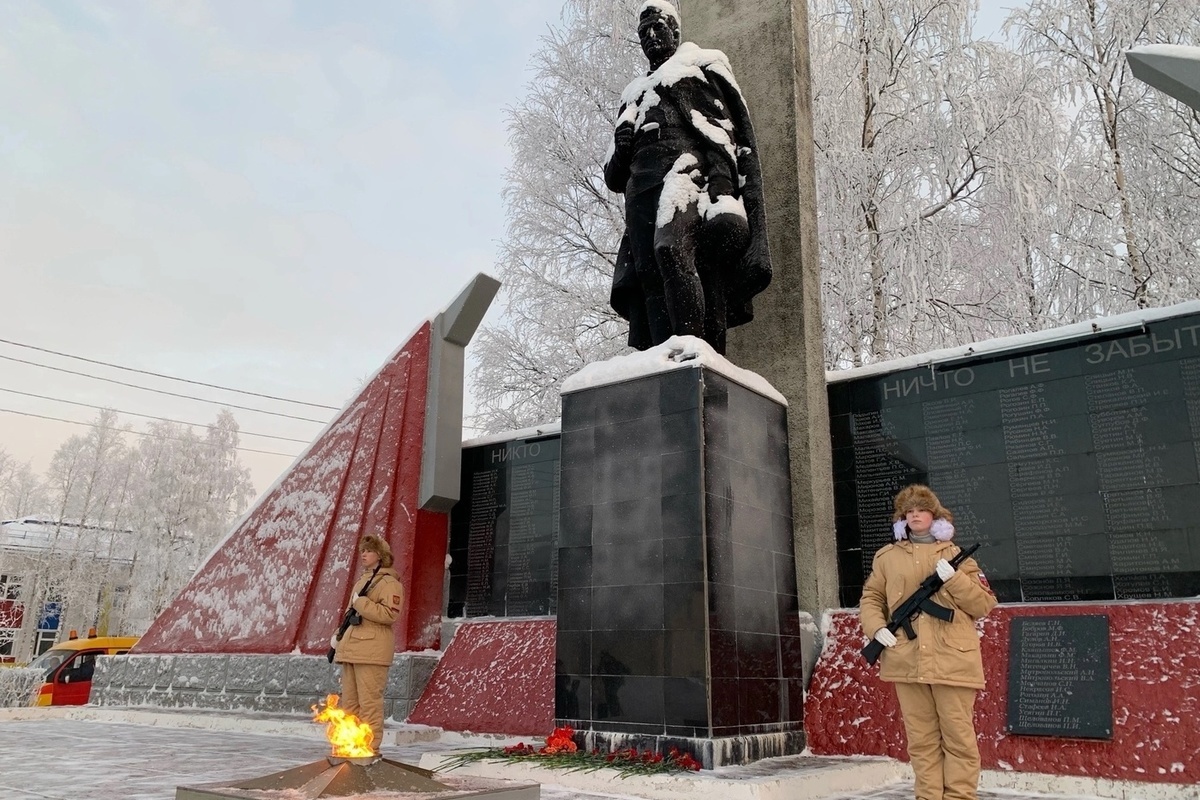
x=362 y=696
x=942 y=746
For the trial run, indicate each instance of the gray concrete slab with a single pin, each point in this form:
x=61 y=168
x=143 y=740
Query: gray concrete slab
x=1170 y=68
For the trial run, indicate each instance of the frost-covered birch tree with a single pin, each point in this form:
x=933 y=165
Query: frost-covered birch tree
x=564 y=226
x=20 y=493
x=1128 y=223
x=967 y=188
x=913 y=120
x=188 y=491
x=1014 y=246
x=123 y=528
x=21 y=490
x=87 y=486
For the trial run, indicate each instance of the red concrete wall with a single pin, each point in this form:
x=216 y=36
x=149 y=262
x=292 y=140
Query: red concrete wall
x=495 y=677
x=1155 y=649
x=282 y=578
x=12 y=616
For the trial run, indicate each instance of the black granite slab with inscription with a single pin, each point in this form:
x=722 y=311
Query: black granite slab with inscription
x=1075 y=463
x=1060 y=677
x=678 y=616
x=504 y=531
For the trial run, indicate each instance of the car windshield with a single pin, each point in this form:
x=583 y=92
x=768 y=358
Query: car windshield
x=51 y=659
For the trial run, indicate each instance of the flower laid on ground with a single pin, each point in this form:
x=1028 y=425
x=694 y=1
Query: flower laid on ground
x=562 y=740
x=561 y=752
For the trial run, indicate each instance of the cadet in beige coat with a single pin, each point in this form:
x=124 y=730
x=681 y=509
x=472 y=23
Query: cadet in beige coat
x=366 y=650
x=937 y=674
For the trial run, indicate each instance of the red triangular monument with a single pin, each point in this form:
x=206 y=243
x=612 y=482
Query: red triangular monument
x=388 y=464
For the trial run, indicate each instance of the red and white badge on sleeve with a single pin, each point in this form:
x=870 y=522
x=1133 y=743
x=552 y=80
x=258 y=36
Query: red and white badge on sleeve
x=983 y=581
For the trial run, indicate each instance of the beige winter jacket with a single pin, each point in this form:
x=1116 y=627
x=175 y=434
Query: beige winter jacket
x=943 y=652
x=372 y=641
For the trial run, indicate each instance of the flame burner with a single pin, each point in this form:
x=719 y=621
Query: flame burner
x=373 y=778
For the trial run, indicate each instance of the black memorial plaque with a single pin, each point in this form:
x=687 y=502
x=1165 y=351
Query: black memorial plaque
x=1059 y=678
x=504 y=530
x=1073 y=462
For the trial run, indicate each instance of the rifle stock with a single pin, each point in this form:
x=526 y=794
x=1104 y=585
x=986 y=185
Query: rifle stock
x=915 y=603
x=871 y=652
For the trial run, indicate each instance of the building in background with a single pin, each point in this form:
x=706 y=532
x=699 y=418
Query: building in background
x=58 y=575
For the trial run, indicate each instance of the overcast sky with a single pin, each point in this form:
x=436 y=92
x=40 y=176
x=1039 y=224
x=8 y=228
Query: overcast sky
x=267 y=195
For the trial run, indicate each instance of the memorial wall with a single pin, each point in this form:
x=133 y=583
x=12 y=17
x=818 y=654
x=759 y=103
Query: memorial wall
x=1074 y=463
x=504 y=530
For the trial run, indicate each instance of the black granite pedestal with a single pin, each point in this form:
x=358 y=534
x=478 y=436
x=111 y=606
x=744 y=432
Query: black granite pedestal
x=677 y=607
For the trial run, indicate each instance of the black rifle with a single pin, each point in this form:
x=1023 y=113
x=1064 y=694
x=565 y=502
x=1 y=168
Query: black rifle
x=917 y=602
x=352 y=617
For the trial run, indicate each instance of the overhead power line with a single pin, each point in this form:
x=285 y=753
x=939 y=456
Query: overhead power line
x=140 y=433
x=167 y=377
x=163 y=391
x=146 y=416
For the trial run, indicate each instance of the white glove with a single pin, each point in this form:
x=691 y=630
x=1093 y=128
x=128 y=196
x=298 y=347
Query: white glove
x=885 y=637
x=944 y=570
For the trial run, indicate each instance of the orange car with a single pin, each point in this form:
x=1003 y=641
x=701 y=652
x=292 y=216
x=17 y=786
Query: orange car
x=69 y=666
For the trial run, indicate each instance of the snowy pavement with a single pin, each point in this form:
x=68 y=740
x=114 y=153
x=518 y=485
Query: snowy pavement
x=54 y=756
x=69 y=759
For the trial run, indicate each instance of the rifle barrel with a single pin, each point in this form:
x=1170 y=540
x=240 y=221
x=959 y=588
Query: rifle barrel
x=963 y=555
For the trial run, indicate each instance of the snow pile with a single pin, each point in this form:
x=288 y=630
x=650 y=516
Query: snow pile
x=678 y=352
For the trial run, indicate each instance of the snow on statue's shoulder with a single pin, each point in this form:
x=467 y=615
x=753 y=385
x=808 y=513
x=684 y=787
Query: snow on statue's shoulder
x=678 y=352
x=689 y=61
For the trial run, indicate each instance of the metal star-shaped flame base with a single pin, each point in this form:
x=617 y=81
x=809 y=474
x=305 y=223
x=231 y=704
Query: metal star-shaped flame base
x=360 y=777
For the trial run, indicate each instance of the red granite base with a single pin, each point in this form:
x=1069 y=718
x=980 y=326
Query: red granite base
x=495 y=677
x=1155 y=648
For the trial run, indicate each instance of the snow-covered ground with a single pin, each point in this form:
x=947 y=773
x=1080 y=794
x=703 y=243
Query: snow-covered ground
x=57 y=758
x=53 y=754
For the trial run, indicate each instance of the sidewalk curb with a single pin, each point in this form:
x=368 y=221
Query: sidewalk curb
x=1075 y=785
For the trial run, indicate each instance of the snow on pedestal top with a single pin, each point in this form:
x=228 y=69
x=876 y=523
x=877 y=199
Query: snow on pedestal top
x=678 y=352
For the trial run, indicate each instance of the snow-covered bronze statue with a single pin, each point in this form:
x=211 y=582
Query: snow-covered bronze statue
x=694 y=253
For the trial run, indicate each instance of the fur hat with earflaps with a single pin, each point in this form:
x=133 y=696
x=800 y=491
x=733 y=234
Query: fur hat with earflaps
x=377 y=545
x=920 y=496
